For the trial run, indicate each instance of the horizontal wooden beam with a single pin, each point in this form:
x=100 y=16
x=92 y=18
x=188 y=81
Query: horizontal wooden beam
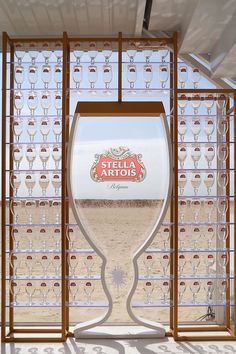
x=120 y=109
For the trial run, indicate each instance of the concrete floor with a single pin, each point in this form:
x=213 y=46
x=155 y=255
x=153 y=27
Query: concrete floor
x=100 y=346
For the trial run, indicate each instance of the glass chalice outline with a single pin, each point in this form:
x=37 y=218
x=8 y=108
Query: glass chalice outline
x=120 y=109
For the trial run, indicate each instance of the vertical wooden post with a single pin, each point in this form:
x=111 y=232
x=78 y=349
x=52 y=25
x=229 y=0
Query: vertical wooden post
x=175 y=188
x=172 y=201
x=4 y=87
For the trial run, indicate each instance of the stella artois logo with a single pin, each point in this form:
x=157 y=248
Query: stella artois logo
x=118 y=164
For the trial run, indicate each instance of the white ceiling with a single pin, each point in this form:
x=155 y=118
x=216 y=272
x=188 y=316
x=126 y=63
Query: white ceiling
x=204 y=26
x=77 y=17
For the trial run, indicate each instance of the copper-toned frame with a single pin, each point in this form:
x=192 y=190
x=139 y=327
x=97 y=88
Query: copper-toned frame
x=63 y=332
x=8 y=47
x=230 y=334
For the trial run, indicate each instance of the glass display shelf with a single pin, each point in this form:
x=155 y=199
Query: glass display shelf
x=93 y=304
x=204 y=142
x=186 y=250
x=138 y=304
x=34 y=225
x=82 y=250
x=37 y=116
x=28 y=62
x=192 y=223
x=165 y=223
x=184 y=277
x=41 y=277
x=70 y=62
x=29 y=251
x=50 y=116
x=152 y=277
x=39 y=251
x=156 y=277
x=25 y=89
x=35 y=143
x=204 y=250
x=159 y=250
x=71 y=89
x=203 y=115
x=35 y=170
x=183 y=197
x=204 y=277
x=204 y=303
x=73 y=62
x=34 y=197
x=198 y=169
x=147 y=63
x=154 y=303
x=141 y=89
x=202 y=197
x=183 y=170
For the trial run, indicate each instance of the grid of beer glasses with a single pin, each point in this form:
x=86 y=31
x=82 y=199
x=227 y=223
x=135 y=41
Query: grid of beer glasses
x=36 y=176
x=203 y=179
x=94 y=70
x=204 y=201
x=146 y=69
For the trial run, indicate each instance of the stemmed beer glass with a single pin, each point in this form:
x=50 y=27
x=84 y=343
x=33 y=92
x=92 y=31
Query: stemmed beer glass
x=148 y=289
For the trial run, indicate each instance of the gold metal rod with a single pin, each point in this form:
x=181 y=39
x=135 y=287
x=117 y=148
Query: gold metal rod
x=3 y=226
x=175 y=189
x=11 y=241
x=120 y=67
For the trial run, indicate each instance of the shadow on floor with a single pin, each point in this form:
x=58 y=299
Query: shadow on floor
x=109 y=346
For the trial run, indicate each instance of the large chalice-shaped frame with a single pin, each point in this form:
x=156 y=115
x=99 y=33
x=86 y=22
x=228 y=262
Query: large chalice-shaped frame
x=124 y=129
